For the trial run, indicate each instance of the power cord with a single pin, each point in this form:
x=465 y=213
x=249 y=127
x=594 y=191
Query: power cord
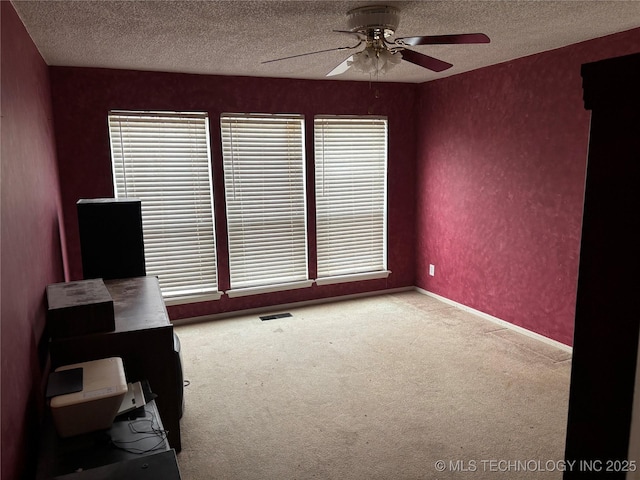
x=150 y=432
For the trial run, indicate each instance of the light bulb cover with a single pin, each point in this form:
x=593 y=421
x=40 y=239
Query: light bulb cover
x=372 y=60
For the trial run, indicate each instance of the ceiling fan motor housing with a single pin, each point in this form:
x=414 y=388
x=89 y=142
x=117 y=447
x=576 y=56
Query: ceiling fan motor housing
x=384 y=19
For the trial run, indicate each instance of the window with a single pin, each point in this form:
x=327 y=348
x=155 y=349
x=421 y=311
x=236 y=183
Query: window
x=264 y=174
x=164 y=160
x=350 y=173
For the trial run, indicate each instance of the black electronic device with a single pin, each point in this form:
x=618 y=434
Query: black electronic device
x=111 y=238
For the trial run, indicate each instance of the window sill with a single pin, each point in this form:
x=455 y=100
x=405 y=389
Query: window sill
x=202 y=297
x=242 y=292
x=355 y=277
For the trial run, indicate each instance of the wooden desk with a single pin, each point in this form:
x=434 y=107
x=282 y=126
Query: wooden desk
x=143 y=338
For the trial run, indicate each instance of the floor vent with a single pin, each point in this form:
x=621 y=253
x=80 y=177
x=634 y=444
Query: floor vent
x=273 y=317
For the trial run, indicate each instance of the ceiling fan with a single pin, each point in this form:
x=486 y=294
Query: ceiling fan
x=373 y=26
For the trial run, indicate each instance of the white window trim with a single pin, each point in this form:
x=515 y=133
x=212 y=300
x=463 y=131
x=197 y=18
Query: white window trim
x=279 y=287
x=355 y=277
x=185 y=299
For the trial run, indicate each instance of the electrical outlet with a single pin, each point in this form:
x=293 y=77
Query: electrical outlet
x=432 y=269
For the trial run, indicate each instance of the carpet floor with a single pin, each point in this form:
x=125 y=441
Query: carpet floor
x=396 y=386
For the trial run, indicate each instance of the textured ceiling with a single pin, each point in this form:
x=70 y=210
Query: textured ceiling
x=234 y=37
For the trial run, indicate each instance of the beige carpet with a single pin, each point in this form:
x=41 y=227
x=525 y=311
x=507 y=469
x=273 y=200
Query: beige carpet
x=374 y=388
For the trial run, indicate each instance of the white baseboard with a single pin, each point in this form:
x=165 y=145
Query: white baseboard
x=286 y=306
x=502 y=323
x=304 y=303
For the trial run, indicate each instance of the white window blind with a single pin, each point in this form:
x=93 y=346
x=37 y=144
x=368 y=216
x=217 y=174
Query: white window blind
x=263 y=157
x=164 y=160
x=351 y=192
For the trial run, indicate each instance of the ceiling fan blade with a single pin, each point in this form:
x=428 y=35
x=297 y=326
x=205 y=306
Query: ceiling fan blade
x=425 y=61
x=343 y=67
x=313 y=53
x=444 y=39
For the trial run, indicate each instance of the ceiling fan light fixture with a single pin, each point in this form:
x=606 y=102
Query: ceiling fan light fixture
x=374 y=61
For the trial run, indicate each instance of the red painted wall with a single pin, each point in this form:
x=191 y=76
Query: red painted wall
x=501 y=161
x=82 y=98
x=31 y=246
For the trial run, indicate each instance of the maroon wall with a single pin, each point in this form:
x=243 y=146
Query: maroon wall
x=31 y=246
x=83 y=97
x=501 y=159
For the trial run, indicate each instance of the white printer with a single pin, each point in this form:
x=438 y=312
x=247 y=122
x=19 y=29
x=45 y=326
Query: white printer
x=104 y=385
